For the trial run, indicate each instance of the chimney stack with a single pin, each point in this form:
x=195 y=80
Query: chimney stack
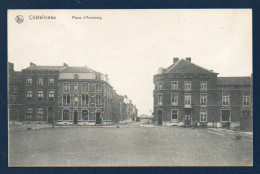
x=188 y=59
x=64 y=64
x=32 y=64
x=175 y=59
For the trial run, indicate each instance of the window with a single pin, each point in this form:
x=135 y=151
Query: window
x=246 y=98
x=29 y=95
x=13 y=115
x=39 y=114
x=225 y=98
x=66 y=87
x=159 y=86
x=203 y=116
x=246 y=113
x=75 y=100
x=76 y=87
x=66 y=115
x=13 y=88
x=29 y=81
x=174 y=114
x=203 y=85
x=85 y=115
x=51 y=95
x=160 y=96
x=29 y=113
x=13 y=98
x=174 y=85
x=187 y=85
x=40 y=95
x=66 y=99
x=84 y=100
x=98 y=101
x=40 y=81
x=174 y=99
x=84 y=86
x=187 y=100
x=51 y=81
x=225 y=115
x=98 y=87
x=203 y=99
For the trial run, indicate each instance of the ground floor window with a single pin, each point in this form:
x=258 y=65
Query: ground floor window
x=39 y=113
x=13 y=114
x=174 y=114
x=246 y=113
x=225 y=116
x=29 y=113
x=66 y=114
x=203 y=116
x=85 y=115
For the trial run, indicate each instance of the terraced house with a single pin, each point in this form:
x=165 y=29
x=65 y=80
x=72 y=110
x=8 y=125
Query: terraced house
x=186 y=93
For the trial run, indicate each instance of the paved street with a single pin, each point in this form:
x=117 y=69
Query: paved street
x=129 y=145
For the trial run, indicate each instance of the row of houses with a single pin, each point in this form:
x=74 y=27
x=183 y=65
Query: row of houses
x=66 y=95
x=186 y=94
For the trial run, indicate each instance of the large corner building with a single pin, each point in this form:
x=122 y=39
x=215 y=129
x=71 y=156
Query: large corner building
x=186 y=93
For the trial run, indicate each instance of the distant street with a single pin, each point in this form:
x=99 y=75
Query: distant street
x=129 y=145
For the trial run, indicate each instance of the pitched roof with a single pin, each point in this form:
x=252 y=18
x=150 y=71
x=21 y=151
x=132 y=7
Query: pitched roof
x=77 y=70
x=42 y=68
x=234 y=81
x=184 y=66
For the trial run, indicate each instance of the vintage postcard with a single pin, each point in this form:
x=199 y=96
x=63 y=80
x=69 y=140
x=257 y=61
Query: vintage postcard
x=161 y=87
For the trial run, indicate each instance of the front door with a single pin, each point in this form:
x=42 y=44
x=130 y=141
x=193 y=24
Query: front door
x=187 y=117
x=75 y=120
x=50 y=114
x=98 y=118
x=159 y=117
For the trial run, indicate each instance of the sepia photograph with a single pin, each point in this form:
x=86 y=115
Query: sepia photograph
x=130 y=88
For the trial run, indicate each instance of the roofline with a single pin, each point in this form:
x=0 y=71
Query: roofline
x=193 y=64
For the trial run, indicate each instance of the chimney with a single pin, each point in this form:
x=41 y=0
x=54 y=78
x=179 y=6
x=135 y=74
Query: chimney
x=32 y=64
x=64 y=64
x=188 y=59
x=175 y=59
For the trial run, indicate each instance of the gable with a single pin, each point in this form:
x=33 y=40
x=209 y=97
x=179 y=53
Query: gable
x=183 y=66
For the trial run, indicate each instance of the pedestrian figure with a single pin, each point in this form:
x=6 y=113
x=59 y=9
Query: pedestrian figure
x=195 y=125
x=228 y=125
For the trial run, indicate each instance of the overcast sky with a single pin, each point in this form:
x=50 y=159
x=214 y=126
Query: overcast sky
x=130 y=45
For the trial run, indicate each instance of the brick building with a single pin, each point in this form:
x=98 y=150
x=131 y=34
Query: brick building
x=185 y=93
x=64 y=94
x=15 y=97
x=40 y=92
x=84 y=97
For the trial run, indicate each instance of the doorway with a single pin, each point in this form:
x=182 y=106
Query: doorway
x=98 y=117
x=159 y=117
x=187 y=117
x=50 y=114
x=75 y=118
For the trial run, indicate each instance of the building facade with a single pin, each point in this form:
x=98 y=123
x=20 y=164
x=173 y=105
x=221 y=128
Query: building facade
x=15 y=97
x=85 y=97
x=65 y=95
x=40 y=92
x=186 y=93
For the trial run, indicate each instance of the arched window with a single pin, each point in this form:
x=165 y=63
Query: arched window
x=85 y=114
x=66 y=114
